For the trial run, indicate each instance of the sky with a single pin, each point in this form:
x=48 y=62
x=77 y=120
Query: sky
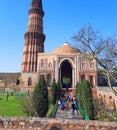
x=62 y=20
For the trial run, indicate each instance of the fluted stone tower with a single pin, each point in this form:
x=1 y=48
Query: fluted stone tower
x=34 y=37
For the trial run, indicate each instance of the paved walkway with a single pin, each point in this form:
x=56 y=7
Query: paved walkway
x=66 y=114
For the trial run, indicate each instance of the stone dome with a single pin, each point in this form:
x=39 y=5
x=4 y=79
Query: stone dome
x=66 y=48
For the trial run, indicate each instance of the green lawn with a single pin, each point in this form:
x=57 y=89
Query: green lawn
x=11 y=107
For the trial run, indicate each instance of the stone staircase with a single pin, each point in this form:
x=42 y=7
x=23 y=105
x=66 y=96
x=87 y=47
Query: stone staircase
x=67 y=114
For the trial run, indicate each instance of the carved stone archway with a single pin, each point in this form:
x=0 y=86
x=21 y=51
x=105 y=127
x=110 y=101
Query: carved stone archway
x=66 y=71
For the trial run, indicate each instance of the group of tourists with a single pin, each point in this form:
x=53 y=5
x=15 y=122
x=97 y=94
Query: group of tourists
x=67 y=102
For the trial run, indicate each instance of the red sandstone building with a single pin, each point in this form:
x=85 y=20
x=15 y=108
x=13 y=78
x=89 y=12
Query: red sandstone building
x=65 y=61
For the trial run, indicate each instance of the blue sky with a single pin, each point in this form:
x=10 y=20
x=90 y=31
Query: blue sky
x=63 y=18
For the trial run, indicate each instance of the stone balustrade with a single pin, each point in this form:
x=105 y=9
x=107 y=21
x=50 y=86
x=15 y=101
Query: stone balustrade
x=105 y=88
x=18 y=123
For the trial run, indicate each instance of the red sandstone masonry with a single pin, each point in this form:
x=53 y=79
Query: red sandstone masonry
x=13 y=123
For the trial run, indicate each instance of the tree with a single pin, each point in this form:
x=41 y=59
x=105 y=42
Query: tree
x=40 y=97
x=114 y=73
x=27 y=106
x=79 y=93
x=103 y=50
x=102 y=79
x=87 y=99
x=54 y=92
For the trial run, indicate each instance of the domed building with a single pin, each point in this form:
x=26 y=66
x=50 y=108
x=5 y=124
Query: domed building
x=66 y=64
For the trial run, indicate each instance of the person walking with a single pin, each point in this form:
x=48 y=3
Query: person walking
x=63 y=104
x=76 y=105
x=7 y=96
x=72 y=108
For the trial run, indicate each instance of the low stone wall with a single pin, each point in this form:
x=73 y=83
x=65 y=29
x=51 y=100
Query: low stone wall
x=53 y=124
x=108 y=97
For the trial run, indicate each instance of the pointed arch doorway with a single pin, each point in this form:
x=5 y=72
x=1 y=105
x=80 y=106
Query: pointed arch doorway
x=66 y=74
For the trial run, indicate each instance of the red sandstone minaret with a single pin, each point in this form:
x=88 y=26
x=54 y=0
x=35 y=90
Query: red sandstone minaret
x=34 y=37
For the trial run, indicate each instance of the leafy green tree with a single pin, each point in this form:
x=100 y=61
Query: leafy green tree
x=87 y=99
x=54 y=92
x=40 y=97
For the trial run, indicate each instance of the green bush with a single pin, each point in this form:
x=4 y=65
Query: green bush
x=87 y=99
x=79 y=94
x=40 y=97
x=54 y=92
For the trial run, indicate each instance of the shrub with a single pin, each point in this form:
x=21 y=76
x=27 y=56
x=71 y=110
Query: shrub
x=103 y=114
x=54 y=92
x=79 y=94
x=40 y=97
x=27 y=106
x=87 y=99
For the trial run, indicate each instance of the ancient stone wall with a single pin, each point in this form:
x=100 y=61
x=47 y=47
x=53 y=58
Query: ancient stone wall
x=9 y=79
x=13 y=123
x=108 y=97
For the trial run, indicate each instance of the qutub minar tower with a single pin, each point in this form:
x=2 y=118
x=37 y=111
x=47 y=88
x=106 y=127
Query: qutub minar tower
x=34 y=44
x=34 y=37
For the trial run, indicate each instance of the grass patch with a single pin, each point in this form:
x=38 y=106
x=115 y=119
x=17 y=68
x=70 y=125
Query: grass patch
x=11 y=107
